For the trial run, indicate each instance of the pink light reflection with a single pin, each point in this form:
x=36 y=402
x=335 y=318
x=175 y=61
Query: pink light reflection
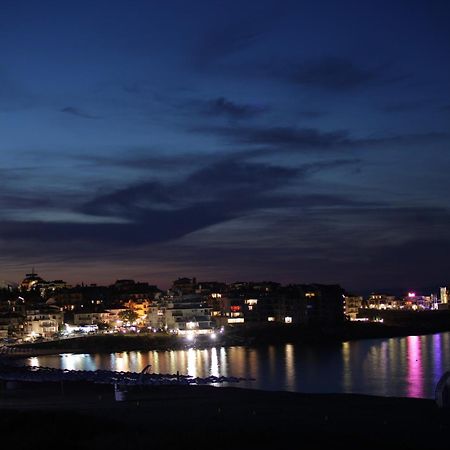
x=415 y=369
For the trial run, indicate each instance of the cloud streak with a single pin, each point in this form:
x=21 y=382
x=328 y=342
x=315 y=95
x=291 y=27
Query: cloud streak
x=335 y=74
x=221 y=107
x=71 y=110
x=310 y=139
x=406 y=106
x=329 y=74
x=286 y=137
x=156 y=211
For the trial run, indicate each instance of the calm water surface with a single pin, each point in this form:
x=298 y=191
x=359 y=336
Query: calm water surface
x=402 y=367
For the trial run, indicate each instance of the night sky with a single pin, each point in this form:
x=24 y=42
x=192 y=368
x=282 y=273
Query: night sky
x=293 y=141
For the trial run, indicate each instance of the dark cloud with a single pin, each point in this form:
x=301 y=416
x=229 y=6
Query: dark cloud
x=356 y=245
x=406 y=106
x=227 y=187
x=163 y=165
x=160 y=227
x=332 y=74
x=145 y=159
x=220 y=108
x=408 y=140
x=17 y=192
x=307 y=139
x=332 y=164
x=28 y=201
x=300 y=138
x=226 y=108
x=309 y=237
x=311 y=114
x=158 y=212
x=78 y=112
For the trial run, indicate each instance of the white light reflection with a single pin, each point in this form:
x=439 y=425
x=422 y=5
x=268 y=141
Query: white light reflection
x=203 y=362
x=181 y=364
x=121 y=362
x=154 y=356
x=223 y=361
x=347 y=375
x=34 y=361
x=72 y=361
x=290 y=367
x=192 y=362
x=172 y=362
x=214 y=367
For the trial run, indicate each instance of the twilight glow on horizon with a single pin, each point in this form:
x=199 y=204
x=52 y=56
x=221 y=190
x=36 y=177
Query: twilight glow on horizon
x=293 y=141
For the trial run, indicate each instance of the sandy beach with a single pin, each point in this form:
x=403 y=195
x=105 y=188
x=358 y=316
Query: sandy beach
x=82 y=415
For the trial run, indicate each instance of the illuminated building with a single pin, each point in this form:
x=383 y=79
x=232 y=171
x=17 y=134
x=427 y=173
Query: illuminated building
x=383 y=301
x=416 y=302
x=90 y=317
x=187 y=313
x=444 y=298
x=43 y=321
x=293 y=304
x=31 y=281
x=140 y=307
x=352 y=304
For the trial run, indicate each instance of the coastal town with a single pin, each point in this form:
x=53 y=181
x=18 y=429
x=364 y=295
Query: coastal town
x=113 y=407
x=225 y=224
x=36 y=309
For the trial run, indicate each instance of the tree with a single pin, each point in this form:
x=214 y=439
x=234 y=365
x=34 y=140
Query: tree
x=128 y=316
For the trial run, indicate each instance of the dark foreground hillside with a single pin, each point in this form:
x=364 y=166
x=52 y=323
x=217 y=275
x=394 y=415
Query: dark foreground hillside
x=206 y=417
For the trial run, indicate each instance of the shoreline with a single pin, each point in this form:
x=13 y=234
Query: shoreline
x=249 y=336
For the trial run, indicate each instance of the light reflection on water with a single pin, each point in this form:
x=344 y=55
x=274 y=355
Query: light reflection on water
x=404 y=367
x=415 y=371
x=290 y=367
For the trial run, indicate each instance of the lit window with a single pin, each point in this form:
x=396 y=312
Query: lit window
x=251 y=301
x=236 y=320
